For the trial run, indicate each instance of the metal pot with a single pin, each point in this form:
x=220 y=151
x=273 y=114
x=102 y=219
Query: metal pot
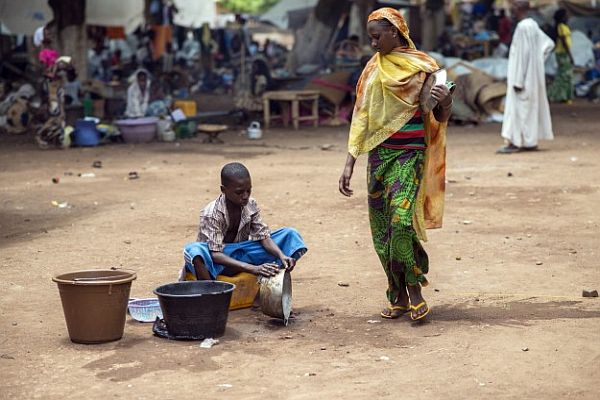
x=276 y=296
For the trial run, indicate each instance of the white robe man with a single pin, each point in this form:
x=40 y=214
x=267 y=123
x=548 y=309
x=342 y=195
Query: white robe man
x=526 y=111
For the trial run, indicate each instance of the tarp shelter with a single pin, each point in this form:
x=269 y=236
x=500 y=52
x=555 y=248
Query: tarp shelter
x=279 y=14
x=194 y=13
x=128 y=14
x=25 y=16
x=581 y=9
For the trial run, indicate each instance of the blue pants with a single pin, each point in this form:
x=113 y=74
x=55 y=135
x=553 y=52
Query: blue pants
x=252 y=252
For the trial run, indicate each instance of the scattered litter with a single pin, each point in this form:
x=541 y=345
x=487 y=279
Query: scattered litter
x=225 y=385
x=451 y=181
x=373 y=321
x=574 y=159
x=310 y=374
x=133 y=175
x=327 y=147
x=471 y=193
x=7 y=357
x=87 y=175
x=63 y=204
x=467 y=222
x=208 y=343
x=589 y=293
x=343 y=284
x=323 y=348
x=525 y=349
x=458 y=258
x=14 y=324
x=539 y=263
x=132 y=206
x=436 y=290
x=384 y=358
x=97 y=164
x=287 y=337
x=509 y=174
x=127 y=241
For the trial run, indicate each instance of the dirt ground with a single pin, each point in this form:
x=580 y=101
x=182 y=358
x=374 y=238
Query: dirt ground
x=508 y=320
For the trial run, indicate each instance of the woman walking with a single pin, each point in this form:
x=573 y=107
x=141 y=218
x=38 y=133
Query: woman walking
x=561 y=89
x=405 y=142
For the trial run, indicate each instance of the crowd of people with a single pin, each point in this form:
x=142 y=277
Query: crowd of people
x=155 y=63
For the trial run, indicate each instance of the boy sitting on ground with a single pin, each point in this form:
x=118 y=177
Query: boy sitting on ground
x=232 y=237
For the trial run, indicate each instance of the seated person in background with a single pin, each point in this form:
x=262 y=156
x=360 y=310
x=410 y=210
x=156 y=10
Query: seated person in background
x=232 y=237
x=72 y=88
x=142 y=100
x=249 y=93
x=353 y=79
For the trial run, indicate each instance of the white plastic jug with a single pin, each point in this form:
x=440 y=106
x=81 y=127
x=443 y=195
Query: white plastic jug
x=165 y=130
x=254 y=131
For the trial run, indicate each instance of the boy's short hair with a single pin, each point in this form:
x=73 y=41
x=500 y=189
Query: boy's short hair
x=233 y=171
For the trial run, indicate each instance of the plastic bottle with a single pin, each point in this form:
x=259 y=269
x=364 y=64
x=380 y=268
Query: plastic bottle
x=88 y=105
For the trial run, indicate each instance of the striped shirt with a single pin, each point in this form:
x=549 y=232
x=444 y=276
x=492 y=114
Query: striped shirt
x=410 y=136
x=214 y=223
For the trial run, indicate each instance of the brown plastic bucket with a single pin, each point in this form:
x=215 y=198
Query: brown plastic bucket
x=95 y=303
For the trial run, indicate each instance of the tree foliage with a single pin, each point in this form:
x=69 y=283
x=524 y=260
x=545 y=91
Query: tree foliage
x=249 y=6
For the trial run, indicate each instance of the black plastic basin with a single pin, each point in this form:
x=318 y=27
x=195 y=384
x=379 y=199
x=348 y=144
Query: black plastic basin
x=196 y=308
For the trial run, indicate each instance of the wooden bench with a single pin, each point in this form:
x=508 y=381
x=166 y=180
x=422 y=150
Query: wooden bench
x=294 y=97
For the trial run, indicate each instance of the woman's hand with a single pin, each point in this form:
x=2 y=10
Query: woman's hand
x=347 y=176
x=441 y=94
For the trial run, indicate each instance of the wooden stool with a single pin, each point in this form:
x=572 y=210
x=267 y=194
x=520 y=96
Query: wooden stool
x=213 y=132
x=295 y=97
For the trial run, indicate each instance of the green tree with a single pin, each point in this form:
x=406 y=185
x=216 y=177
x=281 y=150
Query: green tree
x=249 y=6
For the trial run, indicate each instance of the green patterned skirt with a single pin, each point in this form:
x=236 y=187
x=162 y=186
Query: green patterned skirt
x=394 y=177
x=561 y=88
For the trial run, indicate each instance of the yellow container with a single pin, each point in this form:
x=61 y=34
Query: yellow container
x=246 y=289
x=188 y=107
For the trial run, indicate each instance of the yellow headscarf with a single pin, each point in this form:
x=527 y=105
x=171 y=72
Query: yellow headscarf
x=387 y=97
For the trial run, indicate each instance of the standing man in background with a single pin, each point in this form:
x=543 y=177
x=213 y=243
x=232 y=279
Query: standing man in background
x=526 y=113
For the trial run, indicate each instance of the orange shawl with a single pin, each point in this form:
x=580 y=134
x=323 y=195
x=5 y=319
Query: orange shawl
x=387 y=96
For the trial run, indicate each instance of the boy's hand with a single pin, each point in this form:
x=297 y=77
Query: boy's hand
x=288 y=263
x=266 y=269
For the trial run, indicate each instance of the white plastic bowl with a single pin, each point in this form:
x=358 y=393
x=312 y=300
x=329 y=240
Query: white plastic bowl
x=144 y=310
